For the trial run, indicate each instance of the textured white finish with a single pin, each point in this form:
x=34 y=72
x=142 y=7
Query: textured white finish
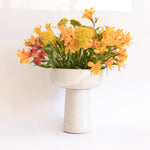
x=77 y=111
x=78 y=83
x=76 y=78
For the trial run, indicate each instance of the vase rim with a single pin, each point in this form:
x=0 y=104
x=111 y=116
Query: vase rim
x=70 y=69
x=76 y=78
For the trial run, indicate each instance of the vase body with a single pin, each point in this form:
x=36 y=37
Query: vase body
x=77 y=82
x=77 y=118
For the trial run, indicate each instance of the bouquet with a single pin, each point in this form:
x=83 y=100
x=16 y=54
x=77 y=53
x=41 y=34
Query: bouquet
x=77 y=46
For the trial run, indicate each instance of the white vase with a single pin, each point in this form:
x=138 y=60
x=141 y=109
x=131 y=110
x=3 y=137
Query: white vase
x=78 y=83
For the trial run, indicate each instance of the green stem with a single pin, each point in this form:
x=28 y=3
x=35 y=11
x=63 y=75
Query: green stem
x=93 y=22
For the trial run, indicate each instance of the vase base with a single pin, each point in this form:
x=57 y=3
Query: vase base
x=78 y=132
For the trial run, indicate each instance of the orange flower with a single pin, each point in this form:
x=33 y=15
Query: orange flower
x=45 y=36
x=96 y=68
x=24 y=56
x=29 y=41
x=94 y=43
x=121 y=57
x=101 y=50
x=88 y=14
x=126 y=38
x=121 y=54
x=117 y=38
x=69 y=46
x=67 y=35
x=63 y=31
x=109 y=63
x=119 y=63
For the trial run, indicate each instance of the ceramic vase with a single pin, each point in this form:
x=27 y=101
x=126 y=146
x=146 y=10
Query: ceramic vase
x=78 y=83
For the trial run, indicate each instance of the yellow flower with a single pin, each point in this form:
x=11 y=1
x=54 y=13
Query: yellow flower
x=109 y=63
x=48 y=27
x=82 y=37
x=24 y=56
x=46 y=37
x=110 y=29
x=96 y=68
x=62 y=22
x=88 y=14
x=37 y=30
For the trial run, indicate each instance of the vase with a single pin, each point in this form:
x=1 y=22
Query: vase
x=78 y=83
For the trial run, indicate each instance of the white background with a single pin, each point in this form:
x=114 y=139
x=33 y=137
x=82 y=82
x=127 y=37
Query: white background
x=31 y=108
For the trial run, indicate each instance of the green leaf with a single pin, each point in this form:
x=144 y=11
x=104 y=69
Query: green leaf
x=97 y=28
x=43 y=66
x=40 y=41
x=44 y=60
x=96 y=19
x=114 y=63
x=99 y=37
x=83 y=26
x=103 y=67
x=76 y=67
x=47 y=50
x=75 y=22
x=63 y=22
